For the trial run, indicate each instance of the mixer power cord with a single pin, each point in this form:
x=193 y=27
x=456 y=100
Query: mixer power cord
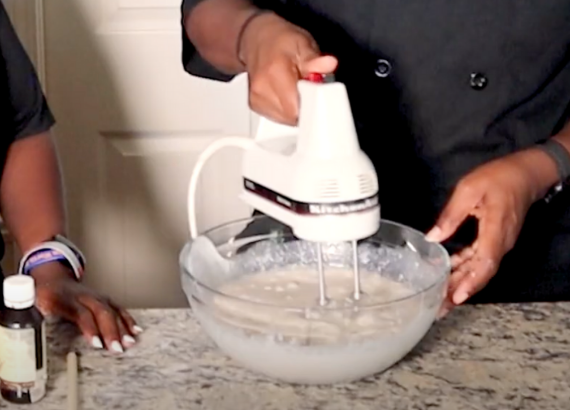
x=238 y=142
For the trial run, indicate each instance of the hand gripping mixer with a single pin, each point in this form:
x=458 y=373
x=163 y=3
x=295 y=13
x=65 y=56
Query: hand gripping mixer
x=313 y=177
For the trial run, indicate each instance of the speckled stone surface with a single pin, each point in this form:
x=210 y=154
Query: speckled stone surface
x=487 y=357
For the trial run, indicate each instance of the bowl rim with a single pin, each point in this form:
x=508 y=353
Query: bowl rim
x=443 y=277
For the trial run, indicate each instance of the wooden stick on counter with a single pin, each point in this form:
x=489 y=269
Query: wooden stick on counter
x=72 y=397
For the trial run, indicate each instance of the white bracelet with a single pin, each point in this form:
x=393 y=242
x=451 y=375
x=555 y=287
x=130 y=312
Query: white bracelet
x=50 y=251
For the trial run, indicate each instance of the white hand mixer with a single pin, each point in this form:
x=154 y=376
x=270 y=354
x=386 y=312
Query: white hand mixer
x=313 y=177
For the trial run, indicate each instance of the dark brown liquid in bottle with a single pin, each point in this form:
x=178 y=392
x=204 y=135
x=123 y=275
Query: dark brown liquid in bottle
x=29 y=318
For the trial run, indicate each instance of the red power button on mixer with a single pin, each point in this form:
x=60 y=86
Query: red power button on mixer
x=315 y=78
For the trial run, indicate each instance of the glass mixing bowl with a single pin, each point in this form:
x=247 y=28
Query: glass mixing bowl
x=307 y=343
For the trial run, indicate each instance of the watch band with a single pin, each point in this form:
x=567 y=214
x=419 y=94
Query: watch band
x=62 y=239
x=561 y=157
x=58 y=249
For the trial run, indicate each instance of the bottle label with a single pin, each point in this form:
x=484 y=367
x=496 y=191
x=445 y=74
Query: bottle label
x=23 y=362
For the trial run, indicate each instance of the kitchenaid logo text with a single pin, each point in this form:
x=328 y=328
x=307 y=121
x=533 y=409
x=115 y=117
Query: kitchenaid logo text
x=344 y=208
x=304 y=208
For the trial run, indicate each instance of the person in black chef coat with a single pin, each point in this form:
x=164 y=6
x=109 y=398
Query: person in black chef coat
x=462 y=106
x=31 y=201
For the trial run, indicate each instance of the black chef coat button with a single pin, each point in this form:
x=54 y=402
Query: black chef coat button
x=383 y=68
x=478 y=81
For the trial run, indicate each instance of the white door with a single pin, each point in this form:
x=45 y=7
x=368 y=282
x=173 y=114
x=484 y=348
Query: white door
x=131 y=123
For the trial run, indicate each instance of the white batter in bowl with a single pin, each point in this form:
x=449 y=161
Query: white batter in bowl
x=260 y=302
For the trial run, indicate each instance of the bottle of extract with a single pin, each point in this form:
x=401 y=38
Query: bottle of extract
x=23 y=353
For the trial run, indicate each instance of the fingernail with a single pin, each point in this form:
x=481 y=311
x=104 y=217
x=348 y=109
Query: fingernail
x=137 y=329
x=116 y=346
x=460 y=297
x=128 y=340
x=433 y=235
x=96 y=342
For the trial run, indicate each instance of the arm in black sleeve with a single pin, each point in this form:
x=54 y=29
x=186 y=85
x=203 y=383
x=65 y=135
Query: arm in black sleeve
x=23 y=108
x=30 y=187
x=192 y=61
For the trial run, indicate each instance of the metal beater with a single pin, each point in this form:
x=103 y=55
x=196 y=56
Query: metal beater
x=323 y=300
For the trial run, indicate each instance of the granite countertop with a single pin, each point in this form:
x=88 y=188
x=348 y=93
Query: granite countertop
x=486 y=357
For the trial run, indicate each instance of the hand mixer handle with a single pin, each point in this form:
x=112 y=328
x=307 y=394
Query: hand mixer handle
x=268 y=129
x=239 y=142
x=325 y=129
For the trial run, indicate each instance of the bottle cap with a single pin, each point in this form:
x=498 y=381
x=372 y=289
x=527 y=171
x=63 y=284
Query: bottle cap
x=19 y=292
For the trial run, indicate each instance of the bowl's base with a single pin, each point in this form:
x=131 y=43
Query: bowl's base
x=302 y=379
x=314 y=365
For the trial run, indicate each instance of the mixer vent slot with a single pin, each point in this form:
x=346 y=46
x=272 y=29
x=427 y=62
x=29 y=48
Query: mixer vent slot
x=366 y=184
x=328 y=188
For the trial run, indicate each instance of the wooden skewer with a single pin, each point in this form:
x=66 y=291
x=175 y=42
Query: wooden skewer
x=72 y=397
